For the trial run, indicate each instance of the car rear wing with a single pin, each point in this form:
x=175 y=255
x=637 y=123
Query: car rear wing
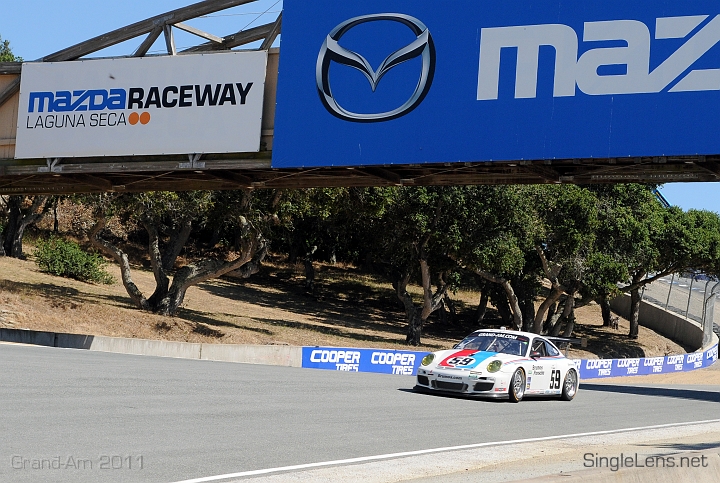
x=558 y=341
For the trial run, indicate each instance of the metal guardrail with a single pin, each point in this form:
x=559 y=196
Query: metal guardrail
x=692 y=296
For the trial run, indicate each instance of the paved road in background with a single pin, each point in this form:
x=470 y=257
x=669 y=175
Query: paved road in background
x=189 y=418
x=657 y=293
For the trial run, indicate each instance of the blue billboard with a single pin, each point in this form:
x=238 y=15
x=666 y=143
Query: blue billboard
x=418 y=81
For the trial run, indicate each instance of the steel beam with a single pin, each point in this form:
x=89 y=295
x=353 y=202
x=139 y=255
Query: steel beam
x=141 y=28
x=235 y=40
x=148 y=42
x=235 y=178
x=383 y=174
x=169 y=39
x=267 y=43
x=9 y=91
x=192 y=30
x=10 y=68
x=95 y=181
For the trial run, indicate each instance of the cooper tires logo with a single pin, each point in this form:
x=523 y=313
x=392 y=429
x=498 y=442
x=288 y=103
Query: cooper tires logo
x=331 y=51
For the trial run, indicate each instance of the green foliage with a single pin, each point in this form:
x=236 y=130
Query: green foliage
x=66 y=259
x=6 y=54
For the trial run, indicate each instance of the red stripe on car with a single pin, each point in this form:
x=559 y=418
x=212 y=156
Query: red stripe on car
x=462 y=353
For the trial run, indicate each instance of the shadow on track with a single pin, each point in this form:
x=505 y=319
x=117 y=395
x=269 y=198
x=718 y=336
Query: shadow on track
x=709 y=396
x=686 y=447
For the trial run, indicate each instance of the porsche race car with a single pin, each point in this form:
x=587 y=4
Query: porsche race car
x=500 y=364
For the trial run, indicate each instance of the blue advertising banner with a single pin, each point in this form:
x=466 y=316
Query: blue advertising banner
x=388 y=361
x=385 y=361
x=599 y=368
x=419 y=81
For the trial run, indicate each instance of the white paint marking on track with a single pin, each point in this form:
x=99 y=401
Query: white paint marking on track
x=364 y=459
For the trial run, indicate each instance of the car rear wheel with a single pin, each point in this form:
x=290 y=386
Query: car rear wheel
x=517 y=386
x=570 y=386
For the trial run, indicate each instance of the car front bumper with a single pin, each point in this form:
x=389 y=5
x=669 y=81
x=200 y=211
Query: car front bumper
x=463 y=383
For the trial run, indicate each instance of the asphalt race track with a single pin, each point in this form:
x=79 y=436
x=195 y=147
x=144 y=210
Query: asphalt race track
x=183 y=419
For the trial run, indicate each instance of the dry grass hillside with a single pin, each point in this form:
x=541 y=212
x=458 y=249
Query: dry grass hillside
x=348 y=308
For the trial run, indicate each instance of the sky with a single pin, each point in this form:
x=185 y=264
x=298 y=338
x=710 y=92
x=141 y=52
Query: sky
x=36 y=28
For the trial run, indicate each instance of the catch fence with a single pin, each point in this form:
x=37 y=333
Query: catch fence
x=690 y=295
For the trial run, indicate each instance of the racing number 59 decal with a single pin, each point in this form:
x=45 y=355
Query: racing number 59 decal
x=555 y=379
x=460 y=361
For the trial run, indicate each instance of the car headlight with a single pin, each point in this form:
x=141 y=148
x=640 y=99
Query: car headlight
x=427 y=360
x=494 y=366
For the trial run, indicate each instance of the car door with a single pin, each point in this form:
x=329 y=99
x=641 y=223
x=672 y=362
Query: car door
x=538 y=373
x=553 y=366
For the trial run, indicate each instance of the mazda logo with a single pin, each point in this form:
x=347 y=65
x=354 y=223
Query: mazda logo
x=331 y=51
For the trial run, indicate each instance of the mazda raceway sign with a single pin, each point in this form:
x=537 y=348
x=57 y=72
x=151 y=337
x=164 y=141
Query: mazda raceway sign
x=414 y=81
x=189 y=104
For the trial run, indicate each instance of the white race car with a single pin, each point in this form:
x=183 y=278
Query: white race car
x=500 y=364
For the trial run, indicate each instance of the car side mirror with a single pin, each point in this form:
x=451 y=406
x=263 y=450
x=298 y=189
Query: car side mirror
x=535 y=354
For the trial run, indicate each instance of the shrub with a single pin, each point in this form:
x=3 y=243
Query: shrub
x=66 y=259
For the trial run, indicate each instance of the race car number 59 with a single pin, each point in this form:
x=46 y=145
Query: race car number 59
x=460 y=361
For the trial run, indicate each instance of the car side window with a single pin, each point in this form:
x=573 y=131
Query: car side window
x=539 y=346
x=551 y=350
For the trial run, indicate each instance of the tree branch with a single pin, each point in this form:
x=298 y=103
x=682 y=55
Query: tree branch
x=512 y=298
x=133 y=291
x=551 y=274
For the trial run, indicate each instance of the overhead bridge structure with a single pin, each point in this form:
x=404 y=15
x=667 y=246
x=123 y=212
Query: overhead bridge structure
x=233 y=170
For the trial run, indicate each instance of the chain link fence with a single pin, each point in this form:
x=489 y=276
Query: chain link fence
x=690 y=295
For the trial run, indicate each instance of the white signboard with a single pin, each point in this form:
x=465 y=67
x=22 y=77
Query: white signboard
x=187 y=104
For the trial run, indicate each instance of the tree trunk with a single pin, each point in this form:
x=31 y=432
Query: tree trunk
x=634 y=313
x=214 y=236
x=310 y=270
x=555 y=294
x=293 y=254
x=415 y=324
x=56 y=222
x=528 y=314
x=412 y=313
x=565 y=316
x=514 y=304
x=162 y=281
x=549 y=318
x=417 y=316
x=570 y=326
x=121 y=258
x=605 y=310
x=555 y=324
x=503 y=307
x=178 y=239
x=9 y=235
x=552 y=270
x=482 y=308
x=511 y=297
x=18 y=221
x=167 y=300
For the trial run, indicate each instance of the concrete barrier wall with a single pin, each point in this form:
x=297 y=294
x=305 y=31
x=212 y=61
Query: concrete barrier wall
x=275 y=355
x=668 y=324
x=362 y=360
x=161 y=348
x=28 y=337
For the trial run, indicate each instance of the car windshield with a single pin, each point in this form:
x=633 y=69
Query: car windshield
x=496 y=342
